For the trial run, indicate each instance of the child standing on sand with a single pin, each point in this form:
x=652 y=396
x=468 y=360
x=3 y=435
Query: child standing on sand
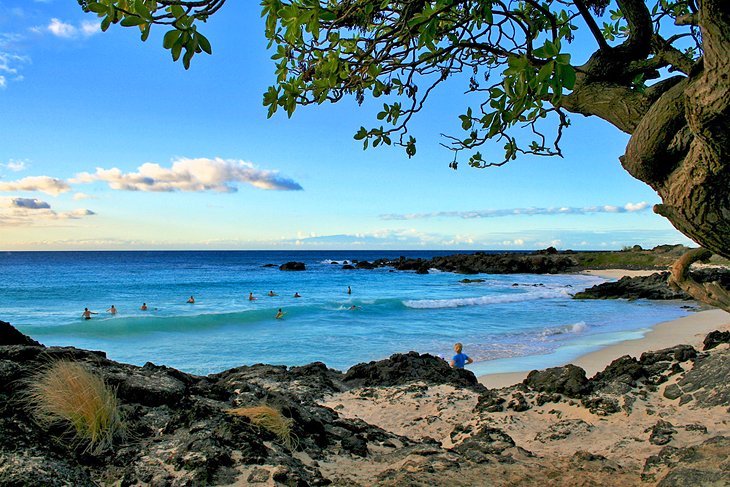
x=460 y=359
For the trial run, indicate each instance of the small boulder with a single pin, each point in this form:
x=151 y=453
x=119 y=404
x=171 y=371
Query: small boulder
x=569 y=380
x=713 y=339
x=292 y=266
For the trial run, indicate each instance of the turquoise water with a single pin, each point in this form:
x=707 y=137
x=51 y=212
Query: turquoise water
x=503 y=326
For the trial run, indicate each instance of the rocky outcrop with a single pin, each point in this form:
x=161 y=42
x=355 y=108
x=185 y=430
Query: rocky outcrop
x=650 y=287
x=292 y=266
x=569 y=380
x=715 y=338
x=479 y=262
x=10 y=336
x=407 y=368
x=179 y=432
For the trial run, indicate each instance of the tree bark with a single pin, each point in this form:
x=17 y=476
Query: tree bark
x=680 y=141
x=710 y=292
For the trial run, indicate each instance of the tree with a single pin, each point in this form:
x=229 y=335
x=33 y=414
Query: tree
x=660 y=72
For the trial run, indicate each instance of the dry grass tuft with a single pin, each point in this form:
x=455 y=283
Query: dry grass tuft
x=68 y=393
x=270 y=419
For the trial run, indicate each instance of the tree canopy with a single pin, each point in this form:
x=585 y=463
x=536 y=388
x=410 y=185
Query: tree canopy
x=660 y=71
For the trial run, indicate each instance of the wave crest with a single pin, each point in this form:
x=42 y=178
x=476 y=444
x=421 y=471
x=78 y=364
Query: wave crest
x=482 y=300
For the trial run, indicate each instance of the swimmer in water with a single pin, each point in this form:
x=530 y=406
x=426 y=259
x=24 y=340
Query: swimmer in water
x=143 y=307
x=250 y=297
x=272 y=293
x=87 y=314
x=191 y=300
x=112 y=311
x=280 y=314
x=349 y=291
x=296 y=295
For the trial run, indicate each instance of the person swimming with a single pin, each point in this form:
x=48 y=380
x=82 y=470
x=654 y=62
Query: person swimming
x=297 y=295
x=251 y=297
x=280 y=314
x=143 y=307
x=87 y=314
x=272 y=293
x=112 y=311
x=191 y=300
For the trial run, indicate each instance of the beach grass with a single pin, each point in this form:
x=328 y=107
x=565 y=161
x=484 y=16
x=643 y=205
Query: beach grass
x=270 y=419
x=67 y=393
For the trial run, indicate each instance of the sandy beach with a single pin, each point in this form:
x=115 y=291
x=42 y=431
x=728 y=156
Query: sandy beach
x=689 y=330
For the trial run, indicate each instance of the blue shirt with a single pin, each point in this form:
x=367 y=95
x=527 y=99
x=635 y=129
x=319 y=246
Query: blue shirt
x=460 y=360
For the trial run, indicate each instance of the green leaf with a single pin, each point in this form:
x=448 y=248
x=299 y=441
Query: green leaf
x=131 y=20
x=567 y=74
x=170 y=38
x=97 y=8
x=204 y=43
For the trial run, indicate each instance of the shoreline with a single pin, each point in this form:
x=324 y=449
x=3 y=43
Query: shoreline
x=690 y=330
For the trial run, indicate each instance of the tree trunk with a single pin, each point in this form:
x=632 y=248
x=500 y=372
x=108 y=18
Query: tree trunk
x=710 y=292
x=681 y=147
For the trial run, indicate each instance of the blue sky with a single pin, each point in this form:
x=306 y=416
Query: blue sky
x=105 y=143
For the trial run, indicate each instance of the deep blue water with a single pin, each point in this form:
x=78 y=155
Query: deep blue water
x=531 y=324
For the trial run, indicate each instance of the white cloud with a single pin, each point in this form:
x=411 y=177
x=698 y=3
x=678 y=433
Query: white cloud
x=16 y=211
x=68 y=31
x=61 y=29
x=90 y=27
x=83 y=196
x=495 y=213
x=15 y=166
x=202 y=174
x=44 y=184
x=10 y=64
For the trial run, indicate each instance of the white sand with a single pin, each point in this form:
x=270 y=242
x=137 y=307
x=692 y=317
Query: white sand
x=619 y=273
x=689 y=330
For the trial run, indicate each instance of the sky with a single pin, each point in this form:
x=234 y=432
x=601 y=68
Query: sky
x=106 y=144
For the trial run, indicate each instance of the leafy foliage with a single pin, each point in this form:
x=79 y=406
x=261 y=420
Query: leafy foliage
x=511 y=56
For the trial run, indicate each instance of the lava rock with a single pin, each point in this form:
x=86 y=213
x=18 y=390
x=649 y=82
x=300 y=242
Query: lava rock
x=9 y=335
x=712 y=340
x=292 y=266
x=569 y=380
x=406 y=368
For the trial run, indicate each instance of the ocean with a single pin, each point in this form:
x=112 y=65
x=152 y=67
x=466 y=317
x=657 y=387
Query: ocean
x=506 y=323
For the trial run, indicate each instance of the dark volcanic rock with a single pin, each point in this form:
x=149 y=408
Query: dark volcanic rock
x=484 y=443
x=661 y=433
x=348 y=267
x=364 y=264
x=646 y=287
x=407 y=368
x=624 y=369
x=481 y=263
x=650 y=287
x=9 y=335
x=707 y=381
x=715 y=338
x=569 y=380
x=292 y=266
x=679 y=353
x=705 y=464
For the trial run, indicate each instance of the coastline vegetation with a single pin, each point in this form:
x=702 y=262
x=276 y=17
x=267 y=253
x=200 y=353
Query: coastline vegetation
x=67 y=393
x=270 y=419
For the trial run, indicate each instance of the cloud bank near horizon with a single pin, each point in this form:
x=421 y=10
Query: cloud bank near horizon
x=190 y=175
x=15 y=211
x=496 y=213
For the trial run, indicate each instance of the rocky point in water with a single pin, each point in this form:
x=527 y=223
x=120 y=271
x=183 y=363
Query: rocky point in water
x=407 y=420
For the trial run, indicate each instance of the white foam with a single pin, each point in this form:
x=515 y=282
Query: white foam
x=578 y=327
x=484 y=300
